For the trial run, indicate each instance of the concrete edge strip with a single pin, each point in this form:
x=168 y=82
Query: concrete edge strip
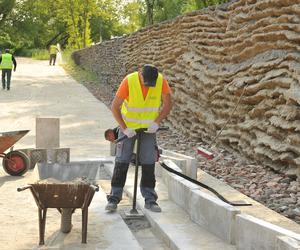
x=211 y=206
x=254 y=233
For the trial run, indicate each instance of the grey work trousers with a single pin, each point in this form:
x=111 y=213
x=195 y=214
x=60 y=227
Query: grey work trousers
x=6 y=77
x=147 y=158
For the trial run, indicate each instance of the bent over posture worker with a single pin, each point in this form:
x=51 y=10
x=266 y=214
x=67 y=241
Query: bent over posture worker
x=137 y=105
x=7 y=61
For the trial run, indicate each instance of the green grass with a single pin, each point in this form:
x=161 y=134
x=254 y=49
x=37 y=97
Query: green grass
x=76 y=71
x=40 y=54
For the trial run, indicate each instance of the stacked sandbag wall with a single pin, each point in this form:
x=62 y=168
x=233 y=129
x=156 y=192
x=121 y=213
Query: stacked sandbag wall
x=213 y=56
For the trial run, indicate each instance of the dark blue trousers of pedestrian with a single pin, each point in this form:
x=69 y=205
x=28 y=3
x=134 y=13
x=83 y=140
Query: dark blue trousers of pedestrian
x=6 y=76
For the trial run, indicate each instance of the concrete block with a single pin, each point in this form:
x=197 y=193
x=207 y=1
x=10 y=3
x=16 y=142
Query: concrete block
x=166 y=175
x=190 y=165
x=58 y=155
x=179 y=191
x=181 y=163
x=287 y=243
x=214 y=215
x=253 y=233
x=47 y=133
x=70 y=171
x=37 y=155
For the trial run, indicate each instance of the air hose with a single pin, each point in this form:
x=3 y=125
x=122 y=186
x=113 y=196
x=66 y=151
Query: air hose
x=166 y=167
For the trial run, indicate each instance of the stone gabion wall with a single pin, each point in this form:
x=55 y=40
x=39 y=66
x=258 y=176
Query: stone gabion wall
x=212 y=57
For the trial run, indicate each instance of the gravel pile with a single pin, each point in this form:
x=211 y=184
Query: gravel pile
x=275 y=190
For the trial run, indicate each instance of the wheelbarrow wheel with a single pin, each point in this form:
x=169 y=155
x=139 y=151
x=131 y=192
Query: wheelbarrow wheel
x=66 y=220
x=15 y=163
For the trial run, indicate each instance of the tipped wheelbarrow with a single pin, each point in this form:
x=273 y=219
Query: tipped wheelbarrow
x=15 y=162
x=66 y=197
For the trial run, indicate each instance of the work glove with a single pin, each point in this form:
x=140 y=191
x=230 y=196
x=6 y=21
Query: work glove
x=129 y=132
x=152 y=128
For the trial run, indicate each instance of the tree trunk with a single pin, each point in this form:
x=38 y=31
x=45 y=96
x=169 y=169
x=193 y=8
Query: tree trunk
x=150 y=5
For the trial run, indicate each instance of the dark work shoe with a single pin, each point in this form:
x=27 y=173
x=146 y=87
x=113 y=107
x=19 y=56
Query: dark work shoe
x=153 y=206
x=111 y=206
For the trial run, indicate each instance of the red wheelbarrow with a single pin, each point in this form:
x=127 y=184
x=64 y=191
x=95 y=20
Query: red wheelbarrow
x=14 y=162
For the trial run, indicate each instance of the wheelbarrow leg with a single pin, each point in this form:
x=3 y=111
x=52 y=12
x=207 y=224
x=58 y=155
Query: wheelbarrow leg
x=42 y=224
x=84 y=224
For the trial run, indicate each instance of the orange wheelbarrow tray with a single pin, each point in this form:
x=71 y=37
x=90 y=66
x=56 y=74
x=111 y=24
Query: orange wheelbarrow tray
x=14 y=162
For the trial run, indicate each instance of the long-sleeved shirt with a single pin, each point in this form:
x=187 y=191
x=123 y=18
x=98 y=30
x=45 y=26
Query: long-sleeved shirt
x=13 y=59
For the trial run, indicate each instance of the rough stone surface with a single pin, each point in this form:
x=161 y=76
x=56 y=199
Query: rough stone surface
x=245 y=52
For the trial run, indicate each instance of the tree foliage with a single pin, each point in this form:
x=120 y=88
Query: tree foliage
x=79 y=23
x=6 y=7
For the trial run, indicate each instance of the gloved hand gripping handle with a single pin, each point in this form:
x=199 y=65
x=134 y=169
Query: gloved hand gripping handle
x=138 y=131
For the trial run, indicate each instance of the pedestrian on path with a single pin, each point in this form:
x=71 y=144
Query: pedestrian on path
x=52 y=52
x=137 y=105
x=7 y=61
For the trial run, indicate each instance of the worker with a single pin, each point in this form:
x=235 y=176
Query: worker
x=7 y=61
x=137 y=105
x=52 y=51
x=111 y=134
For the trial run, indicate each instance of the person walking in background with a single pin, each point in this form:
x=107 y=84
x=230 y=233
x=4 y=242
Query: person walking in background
x=52 y=51
x=7 y=61
x=137 y=105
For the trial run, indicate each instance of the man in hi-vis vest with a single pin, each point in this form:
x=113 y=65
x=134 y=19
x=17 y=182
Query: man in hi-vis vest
x=52 y=51
x=137 y=105
x=7 y=61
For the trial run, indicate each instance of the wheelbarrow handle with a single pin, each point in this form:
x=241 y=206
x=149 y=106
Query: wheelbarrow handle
x=23 y=188
x=123 y=137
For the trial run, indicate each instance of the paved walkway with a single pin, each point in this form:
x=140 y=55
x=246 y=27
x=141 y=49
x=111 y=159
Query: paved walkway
x=39 y=90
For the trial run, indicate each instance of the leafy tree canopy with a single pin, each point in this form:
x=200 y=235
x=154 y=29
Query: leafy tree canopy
x=27 y=24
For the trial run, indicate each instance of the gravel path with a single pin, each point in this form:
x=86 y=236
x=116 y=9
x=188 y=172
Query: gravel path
x=274 y=190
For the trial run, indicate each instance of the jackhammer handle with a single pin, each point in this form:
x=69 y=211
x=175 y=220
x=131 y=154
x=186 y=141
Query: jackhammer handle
x=23 y=188
x=95 y=187
x=137 y=130
x=164 y=128
x=123 y=137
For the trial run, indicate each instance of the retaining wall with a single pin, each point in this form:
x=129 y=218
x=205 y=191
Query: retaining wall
x=213 y=56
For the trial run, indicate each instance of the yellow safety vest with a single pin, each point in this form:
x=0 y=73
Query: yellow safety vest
x=7 y=62
x=53 y=49
x=138 y=112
